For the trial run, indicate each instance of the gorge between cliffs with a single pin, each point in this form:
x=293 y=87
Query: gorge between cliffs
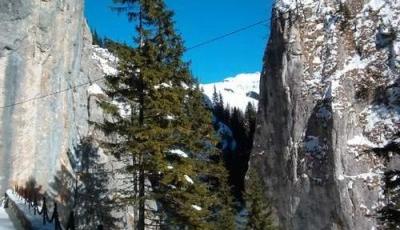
x=124 y=135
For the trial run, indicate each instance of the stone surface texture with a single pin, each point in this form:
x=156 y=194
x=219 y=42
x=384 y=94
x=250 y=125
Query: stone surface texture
x=329 y=93
x=47 y=64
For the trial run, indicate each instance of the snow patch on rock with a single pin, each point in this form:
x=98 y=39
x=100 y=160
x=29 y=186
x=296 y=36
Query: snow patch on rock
x=105 y=60
x=95 y=89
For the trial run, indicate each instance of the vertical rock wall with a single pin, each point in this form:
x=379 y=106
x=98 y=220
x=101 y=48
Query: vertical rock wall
x=329 y=94
x=45 y=48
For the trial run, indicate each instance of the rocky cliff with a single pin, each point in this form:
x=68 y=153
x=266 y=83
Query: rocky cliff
x=47 y=63
x=329 y=93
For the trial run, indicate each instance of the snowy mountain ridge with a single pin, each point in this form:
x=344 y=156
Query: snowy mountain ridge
x=236 y=91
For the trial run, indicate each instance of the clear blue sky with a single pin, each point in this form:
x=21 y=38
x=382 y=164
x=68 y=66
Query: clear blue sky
x=197 y=21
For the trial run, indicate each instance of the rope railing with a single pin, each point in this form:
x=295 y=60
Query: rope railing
x=31 y=199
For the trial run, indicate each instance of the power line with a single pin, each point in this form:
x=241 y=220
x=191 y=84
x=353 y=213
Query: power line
x=204 y=43
x=226 y=35
x=52 y=94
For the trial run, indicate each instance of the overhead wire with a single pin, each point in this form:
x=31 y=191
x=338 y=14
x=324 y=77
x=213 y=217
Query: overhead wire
x=201 y=44
x=226 y=35
x=52 y=93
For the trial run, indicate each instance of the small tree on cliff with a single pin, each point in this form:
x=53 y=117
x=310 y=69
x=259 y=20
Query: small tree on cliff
x=389 y=215
x=250 y=116
x=259 y=209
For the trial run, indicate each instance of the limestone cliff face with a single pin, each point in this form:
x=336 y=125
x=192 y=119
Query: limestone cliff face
x=45 y=47
x=329 y=93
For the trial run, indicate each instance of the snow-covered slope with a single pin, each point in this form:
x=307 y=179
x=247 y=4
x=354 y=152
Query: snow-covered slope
x=236 y=91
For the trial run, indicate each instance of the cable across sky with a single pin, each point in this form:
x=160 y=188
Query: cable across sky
x=226 y=35
x=201 y=44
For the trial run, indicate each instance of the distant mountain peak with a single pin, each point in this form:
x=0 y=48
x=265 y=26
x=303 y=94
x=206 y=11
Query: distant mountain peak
x=236 y=91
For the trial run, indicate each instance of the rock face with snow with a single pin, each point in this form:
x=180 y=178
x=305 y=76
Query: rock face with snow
x=329 y=92
x=47 y=63
x=236 y=91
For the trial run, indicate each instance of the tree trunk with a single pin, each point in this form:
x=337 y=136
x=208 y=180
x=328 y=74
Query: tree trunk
x=141 y=224
x=142 y=200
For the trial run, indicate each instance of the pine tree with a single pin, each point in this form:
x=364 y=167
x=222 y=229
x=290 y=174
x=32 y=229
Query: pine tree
x=218 y=103
x=225 y=218
x=210 y=165
x=215 y=97
x=95 y=206
x=389 y=215
x=250 y=116
x=157 y=125
x=259 y=210
x=221 y=100
x=226 y=113
x=97 y=40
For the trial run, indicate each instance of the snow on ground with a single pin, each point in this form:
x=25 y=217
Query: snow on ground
x=35 y=220
x=236 y=91
x=5 y=222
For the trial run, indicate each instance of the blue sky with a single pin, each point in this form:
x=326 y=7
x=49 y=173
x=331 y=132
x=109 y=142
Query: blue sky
x=197 y=21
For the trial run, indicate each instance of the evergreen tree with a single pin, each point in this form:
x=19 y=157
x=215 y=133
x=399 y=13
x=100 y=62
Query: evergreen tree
x=243 y=127
x=211 y=168
x=250 y=116
x=157 y=125
x=92 y=196
x=259 y=210
x=221 y=100
x=226 y=113
x=215 y=97
x=389 y=215
x=97 y=40
x=239 y=161
x=218 y=103
x=225 y=218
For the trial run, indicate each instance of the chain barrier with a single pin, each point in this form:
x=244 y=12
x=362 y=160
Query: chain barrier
x=31 y=199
